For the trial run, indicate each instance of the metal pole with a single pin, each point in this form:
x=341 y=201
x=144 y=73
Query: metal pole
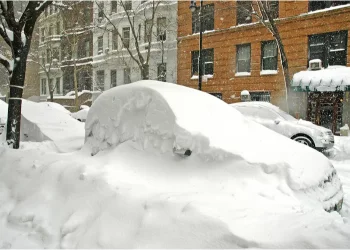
x=200 y=59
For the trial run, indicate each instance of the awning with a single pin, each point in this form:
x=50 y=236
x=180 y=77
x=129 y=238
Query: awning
x=334 y=78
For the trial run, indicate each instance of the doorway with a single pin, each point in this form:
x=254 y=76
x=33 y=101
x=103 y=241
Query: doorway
x=325 y=109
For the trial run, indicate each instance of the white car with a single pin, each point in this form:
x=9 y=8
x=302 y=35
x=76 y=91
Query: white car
x=281 y=122
x=169 y=126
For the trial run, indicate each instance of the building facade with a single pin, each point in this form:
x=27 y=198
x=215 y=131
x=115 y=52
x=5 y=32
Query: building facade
x=147 y=30
x=239 y=53
x=65 y=48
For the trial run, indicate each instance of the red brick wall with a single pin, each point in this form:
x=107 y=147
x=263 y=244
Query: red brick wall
x=294 y=31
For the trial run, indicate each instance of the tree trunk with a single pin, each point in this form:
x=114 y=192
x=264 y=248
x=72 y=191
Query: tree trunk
x=145 y=72
x=75 y=88
x=51 y=95
x=15 y=102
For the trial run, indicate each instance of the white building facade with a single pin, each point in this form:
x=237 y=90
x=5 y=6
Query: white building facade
x=112 y=63
x=49 y=52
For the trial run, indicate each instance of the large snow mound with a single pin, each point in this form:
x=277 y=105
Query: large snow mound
x=163 y=116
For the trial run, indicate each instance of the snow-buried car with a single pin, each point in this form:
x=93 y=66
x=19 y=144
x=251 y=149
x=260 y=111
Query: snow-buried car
x=168 y=120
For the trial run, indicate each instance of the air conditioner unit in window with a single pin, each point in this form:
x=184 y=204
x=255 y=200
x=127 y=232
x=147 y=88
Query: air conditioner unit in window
x=315 y=64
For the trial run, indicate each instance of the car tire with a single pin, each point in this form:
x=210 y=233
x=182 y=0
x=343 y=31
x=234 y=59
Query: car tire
x=304 y=140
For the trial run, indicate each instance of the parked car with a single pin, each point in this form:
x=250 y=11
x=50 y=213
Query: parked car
x=281 y=122
x=198 y=137
x=81 y=114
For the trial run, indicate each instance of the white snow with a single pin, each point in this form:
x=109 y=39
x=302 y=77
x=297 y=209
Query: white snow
x=48 y=121
x=137 y=194
x=242 y=74
x=268 y=72
x=330 y=79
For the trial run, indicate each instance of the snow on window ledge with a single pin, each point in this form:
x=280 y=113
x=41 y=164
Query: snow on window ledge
x=268 y=72
x=204 y=76
x=243 y=74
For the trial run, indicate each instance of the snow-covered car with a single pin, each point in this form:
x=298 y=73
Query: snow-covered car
x=281 y=122
x=81 y=114
x=180 y=131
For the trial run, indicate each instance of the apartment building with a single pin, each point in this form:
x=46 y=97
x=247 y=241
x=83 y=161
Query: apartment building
x=239 y=53
x=65 y=48
x=124 y=32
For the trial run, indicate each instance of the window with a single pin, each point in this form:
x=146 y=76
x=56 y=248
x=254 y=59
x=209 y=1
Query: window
x=243 y=58
x=208 y=62
x=261 y=96
x=269 y=55
x=244 y=9
x=58 y=28
x=42 y=58
x=127 y=76
x=114 y=40
x=48 y=56
x=50 y=30
x=114 y=5
x=86 y=16
x=42 y=34
x=127 y=5
x=101 y=10
x=148 y=30
x=113 y=78
x=56 y=54
x=273 y=6
x=207 y=20
x=87 y=48
x=161 y=29
x=100 y=45
x=126 y=37
x=58 y=85
x=162 y=72
x=319 y=5
x=100 y=80
x=43 y=86
x=331 y=48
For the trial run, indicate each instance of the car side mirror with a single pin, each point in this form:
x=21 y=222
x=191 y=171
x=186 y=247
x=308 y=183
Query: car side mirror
x=277 y=121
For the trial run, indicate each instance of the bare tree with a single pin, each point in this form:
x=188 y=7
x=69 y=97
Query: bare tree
x=48 y=63
x=145 y=12
x=263 y=11
x=17 y=33
x=74 y=32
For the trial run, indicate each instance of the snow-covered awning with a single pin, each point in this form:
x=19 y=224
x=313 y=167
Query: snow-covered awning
x=334 y=78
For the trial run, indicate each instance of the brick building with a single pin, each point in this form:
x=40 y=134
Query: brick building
x=240 y=53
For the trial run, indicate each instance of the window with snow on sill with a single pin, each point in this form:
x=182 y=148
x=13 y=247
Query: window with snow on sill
x=268 y=72
x=243 y=74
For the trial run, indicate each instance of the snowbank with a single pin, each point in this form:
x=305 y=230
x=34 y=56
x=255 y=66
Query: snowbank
x=342 y=147
x=331 y=79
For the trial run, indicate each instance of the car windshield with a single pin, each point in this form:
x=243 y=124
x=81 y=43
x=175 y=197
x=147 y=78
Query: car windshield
x=286 y=116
